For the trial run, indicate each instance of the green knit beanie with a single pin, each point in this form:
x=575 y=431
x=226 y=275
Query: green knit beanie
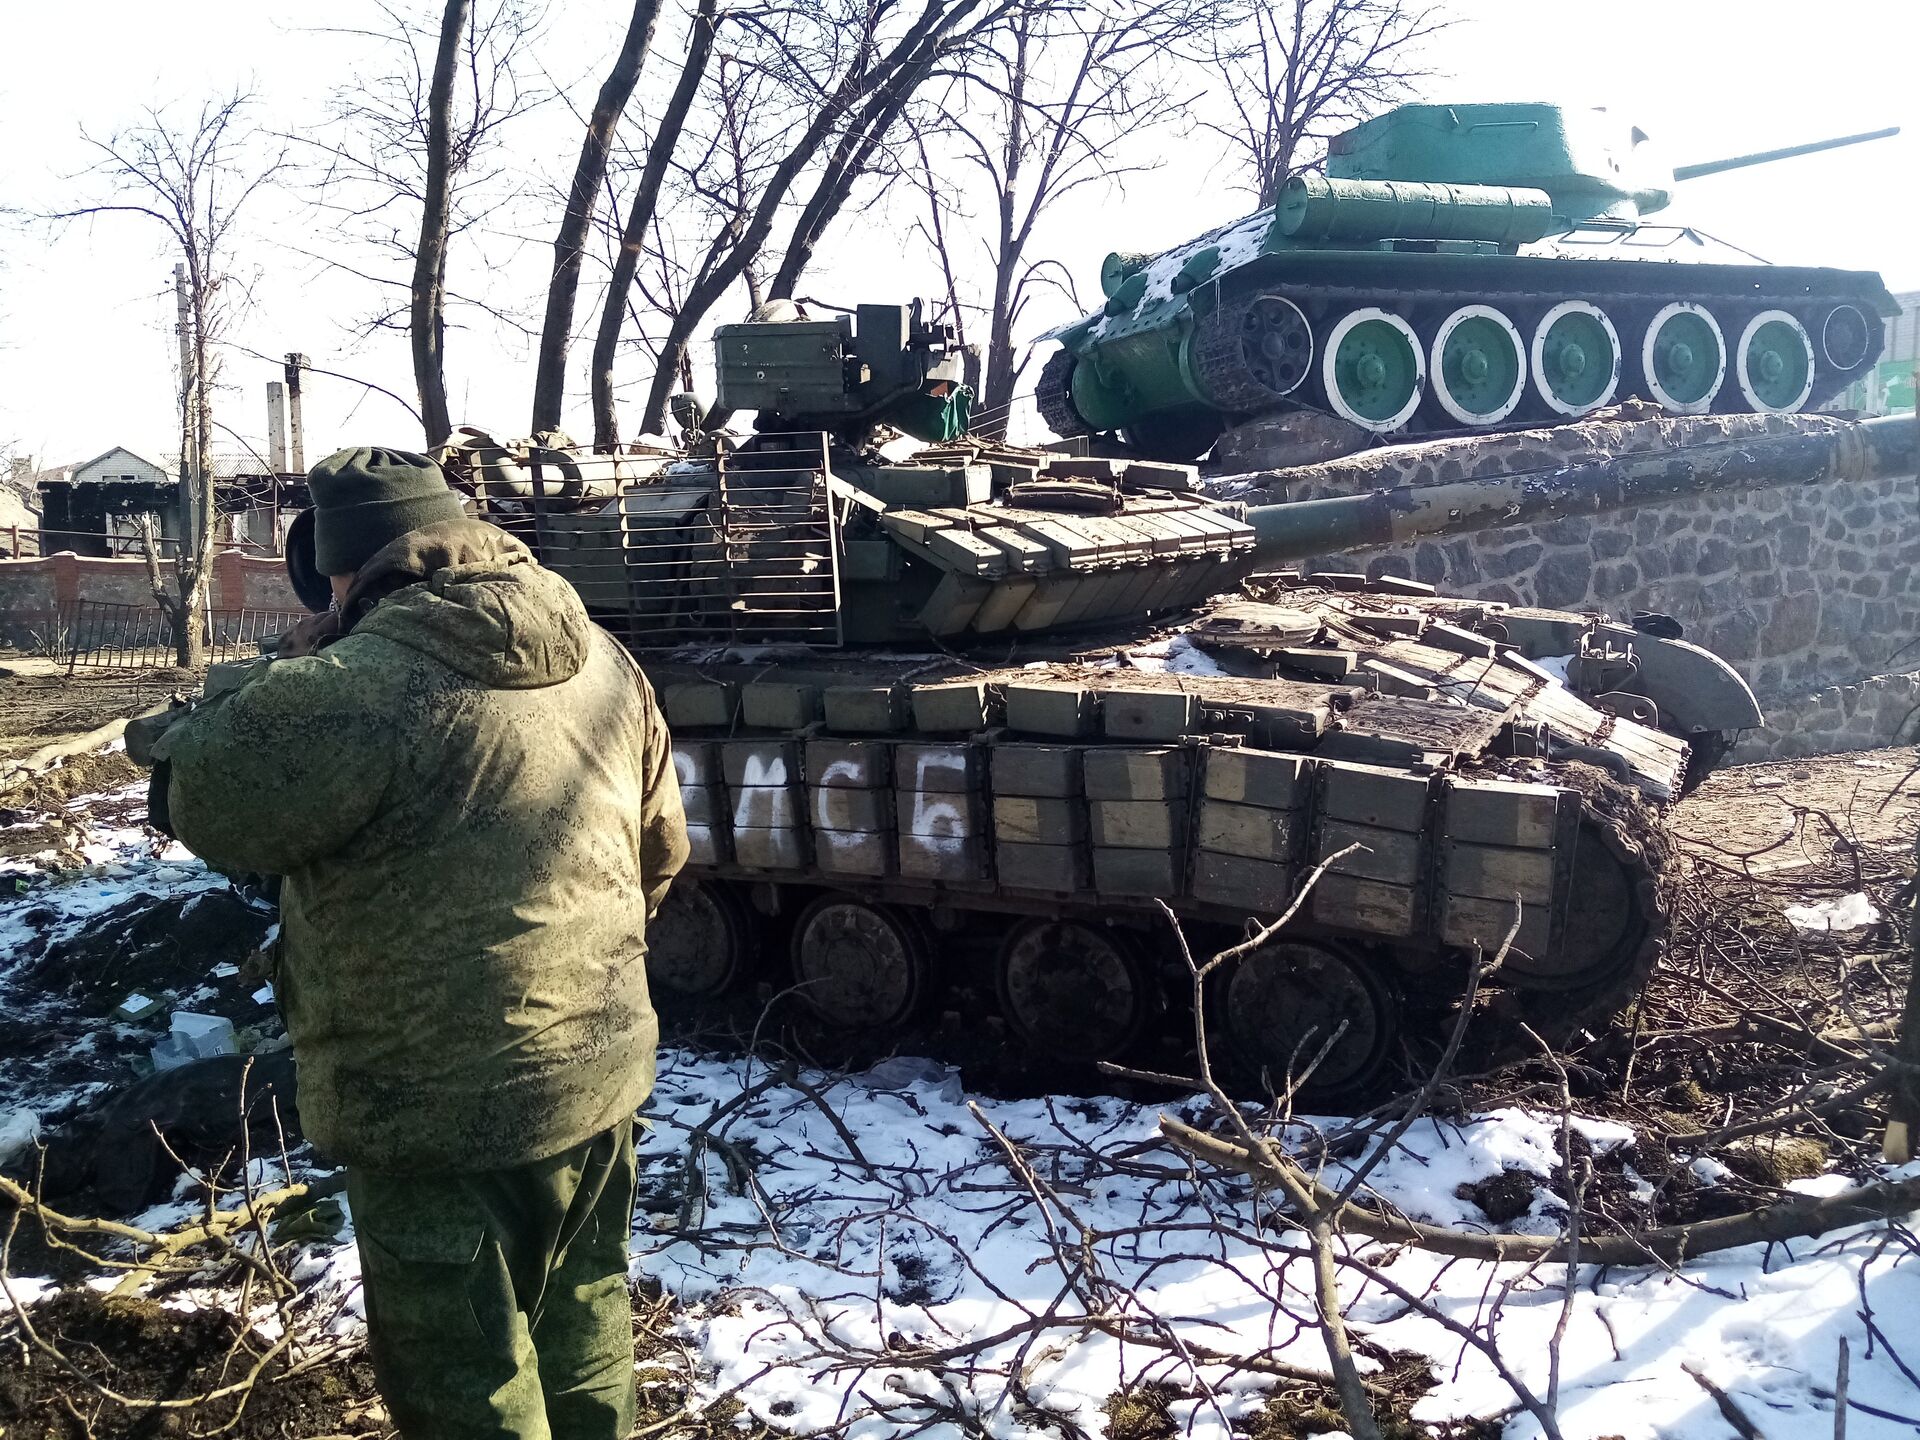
x=363 y=499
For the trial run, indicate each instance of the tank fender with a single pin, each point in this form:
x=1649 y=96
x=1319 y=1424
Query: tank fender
x=1695 y=689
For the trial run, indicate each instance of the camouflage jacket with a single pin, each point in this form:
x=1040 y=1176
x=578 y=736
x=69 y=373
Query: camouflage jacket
x=471 y=798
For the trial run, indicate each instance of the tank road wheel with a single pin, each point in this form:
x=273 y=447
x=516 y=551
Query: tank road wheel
x=1073 y=991
x=1575 y=360
x=1053 y=396
x=1371 y=369
x=1250 y=353
x=1683 y=358
x=1773 y=363
x=701 y=943
x=1845 y=337
x=860 y=966
x=1476 y=367
x=1284 y=1002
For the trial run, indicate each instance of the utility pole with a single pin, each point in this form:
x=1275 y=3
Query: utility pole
x=296 y=440
x=276 y=462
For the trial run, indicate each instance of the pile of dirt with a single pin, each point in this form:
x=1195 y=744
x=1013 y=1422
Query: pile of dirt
x=41 y=702
x=81 y=775
x=64 y=1053
x=145 y=1352
x=156 y=946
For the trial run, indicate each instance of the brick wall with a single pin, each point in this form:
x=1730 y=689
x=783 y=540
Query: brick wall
x=33 y=593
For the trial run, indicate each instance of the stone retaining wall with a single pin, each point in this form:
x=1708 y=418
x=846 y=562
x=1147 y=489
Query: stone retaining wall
x=1863 y=716
x=1808 y=590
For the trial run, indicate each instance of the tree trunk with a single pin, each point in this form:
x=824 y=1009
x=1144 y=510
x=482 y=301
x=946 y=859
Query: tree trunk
x=996 y=401
x=613 y=314
x=427 y=316
x=556 y=331
x=194 y=566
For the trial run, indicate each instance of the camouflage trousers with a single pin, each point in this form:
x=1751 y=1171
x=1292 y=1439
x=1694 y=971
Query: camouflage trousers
x=497 y=1301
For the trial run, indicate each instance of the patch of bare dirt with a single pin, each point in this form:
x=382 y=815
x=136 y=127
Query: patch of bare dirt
x=145 y=1352
x=41 y=703
x=1791 y=814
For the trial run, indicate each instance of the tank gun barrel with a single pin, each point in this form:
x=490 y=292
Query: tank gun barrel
x=1849 y=450
x=1785 y=152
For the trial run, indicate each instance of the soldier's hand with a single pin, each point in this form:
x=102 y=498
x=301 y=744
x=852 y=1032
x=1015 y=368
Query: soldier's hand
x=310 y=635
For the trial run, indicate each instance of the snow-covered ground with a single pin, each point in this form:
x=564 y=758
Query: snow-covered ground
x=798 y=1289
x=859 y=1251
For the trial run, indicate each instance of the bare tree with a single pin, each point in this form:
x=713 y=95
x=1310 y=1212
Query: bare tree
x=427 y=319
x=845 y=64
x=852 y=157
x=641 y=218
x=1293 y=73
x=409 y=167
x=193 y=175
x=583 y=196
x=711 y=180
x=1046 y=108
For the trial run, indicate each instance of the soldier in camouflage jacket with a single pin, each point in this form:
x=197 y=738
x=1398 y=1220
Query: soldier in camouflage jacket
x=469 y=794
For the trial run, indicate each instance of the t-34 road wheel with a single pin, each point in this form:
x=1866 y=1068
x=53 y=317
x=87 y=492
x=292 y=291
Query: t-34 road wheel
x=1476 y=367
x=1073 y=991
x=1372 y=369
x=1573 y=361
x=859 y=966
x=1773 y=363
x=1683 y=359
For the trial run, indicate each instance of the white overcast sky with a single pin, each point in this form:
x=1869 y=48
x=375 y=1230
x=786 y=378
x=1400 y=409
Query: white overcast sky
x=86 y=344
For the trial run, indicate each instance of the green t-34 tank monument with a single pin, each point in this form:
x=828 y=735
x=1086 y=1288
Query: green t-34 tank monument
x=1458 y=267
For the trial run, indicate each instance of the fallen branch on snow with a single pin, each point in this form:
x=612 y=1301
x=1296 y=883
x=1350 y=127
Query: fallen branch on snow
x=1790 y=1220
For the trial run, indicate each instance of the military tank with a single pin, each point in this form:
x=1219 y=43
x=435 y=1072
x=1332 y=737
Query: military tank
x=983 y=711
x=1458 y=267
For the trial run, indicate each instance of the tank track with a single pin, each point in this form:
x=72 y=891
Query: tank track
x=1219 y=359
x=1051 y=397
x=1635 y=837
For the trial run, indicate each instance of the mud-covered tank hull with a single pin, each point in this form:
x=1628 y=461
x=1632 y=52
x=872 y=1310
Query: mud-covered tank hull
x=975 y=718
x=868 y=818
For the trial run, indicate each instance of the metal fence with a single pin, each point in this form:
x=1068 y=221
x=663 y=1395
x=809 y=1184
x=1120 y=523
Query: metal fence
x=95 y=634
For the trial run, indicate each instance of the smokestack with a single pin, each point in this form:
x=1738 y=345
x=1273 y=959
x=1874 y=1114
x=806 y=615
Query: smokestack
x=296 y=440
x=277 y=426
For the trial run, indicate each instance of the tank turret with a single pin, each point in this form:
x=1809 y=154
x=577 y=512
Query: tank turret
x=1458 y=266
